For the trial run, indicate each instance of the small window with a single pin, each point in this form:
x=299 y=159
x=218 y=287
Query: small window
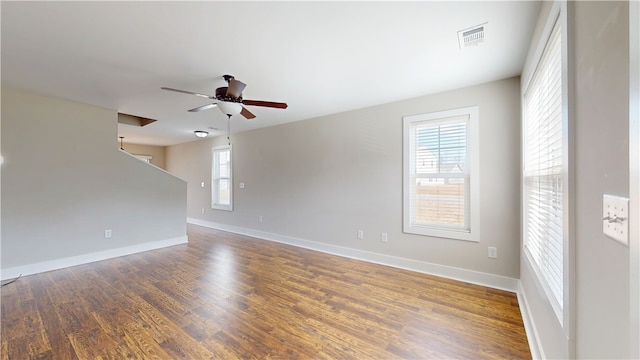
x=440 y=174
x=221 y=180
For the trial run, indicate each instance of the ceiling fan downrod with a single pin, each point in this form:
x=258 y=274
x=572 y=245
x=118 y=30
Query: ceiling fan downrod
x=229 y=129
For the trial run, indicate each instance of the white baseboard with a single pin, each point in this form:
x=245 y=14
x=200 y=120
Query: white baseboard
x=529 y=325
x=88 y=258
x=470 y=276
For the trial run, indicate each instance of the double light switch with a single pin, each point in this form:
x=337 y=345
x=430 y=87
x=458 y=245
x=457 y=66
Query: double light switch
x=615 y=218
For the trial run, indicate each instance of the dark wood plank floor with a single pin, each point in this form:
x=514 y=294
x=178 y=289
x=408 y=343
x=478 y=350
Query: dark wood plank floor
x=228 y=296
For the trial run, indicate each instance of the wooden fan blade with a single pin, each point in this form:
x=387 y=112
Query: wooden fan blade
x=203 y=107
x=265 y=103
x=189 y=92
x=235 y=88
x=246 y=113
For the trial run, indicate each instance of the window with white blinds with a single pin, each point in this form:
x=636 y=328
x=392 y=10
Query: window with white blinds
x=543 y=171
x=439 y=173
x=221 y=184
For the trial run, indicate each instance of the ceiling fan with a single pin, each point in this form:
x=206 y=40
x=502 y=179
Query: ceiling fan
x=229 y=99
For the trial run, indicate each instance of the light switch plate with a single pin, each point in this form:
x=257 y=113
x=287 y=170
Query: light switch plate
x=615 y=215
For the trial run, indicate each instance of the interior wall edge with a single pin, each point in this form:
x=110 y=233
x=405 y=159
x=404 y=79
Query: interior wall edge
x=634 y=179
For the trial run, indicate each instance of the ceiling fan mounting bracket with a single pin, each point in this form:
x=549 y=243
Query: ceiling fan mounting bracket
x=228 y=78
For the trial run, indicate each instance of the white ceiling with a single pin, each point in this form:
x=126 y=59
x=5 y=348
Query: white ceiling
x=319 y=57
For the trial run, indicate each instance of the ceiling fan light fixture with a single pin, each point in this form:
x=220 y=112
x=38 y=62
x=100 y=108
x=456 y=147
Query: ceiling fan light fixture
x=201 y=133
x=230 y=108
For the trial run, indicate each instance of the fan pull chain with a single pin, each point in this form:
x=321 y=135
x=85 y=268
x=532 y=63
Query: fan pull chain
x=229 y=129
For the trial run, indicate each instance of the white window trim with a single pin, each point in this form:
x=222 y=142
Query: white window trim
x=215 y=205
x=474 y=174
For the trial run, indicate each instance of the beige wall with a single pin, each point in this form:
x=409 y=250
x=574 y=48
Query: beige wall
x=157 y=153
x=62 y=188
x=325 y=178
x=601 y=68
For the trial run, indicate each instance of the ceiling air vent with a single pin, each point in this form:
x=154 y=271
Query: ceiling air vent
x=472 y=36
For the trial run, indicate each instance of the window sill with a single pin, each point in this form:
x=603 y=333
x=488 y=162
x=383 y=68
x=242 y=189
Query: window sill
x=442 y=233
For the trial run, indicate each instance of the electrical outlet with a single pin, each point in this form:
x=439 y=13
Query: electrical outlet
x=107 y=233
x=202 y=184
x=492 y=252
x=203 y=210
x=360 y=234
x=384 y=238
x=260 y=218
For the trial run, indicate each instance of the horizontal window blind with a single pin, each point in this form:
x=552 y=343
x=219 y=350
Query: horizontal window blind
x=440 y=175
x=543 y=170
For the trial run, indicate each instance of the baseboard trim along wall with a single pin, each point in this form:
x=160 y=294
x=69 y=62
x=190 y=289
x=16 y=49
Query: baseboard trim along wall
x=470 y=276
x=88 y=258
x=529 y=325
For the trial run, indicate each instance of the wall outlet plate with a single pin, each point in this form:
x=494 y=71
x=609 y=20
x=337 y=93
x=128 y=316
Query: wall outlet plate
x=615 y=218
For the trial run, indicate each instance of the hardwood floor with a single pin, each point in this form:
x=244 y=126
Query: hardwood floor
x=229 y=296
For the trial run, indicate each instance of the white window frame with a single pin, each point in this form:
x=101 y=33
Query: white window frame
x=472 y=203
x=565 y=312
x=215 y=178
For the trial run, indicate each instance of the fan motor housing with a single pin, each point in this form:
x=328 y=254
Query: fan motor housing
x=221 y=91
x=221 y=94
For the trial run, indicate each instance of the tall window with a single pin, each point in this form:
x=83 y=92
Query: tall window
x=544 y=170
x=440 y=174
x=221 y=184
